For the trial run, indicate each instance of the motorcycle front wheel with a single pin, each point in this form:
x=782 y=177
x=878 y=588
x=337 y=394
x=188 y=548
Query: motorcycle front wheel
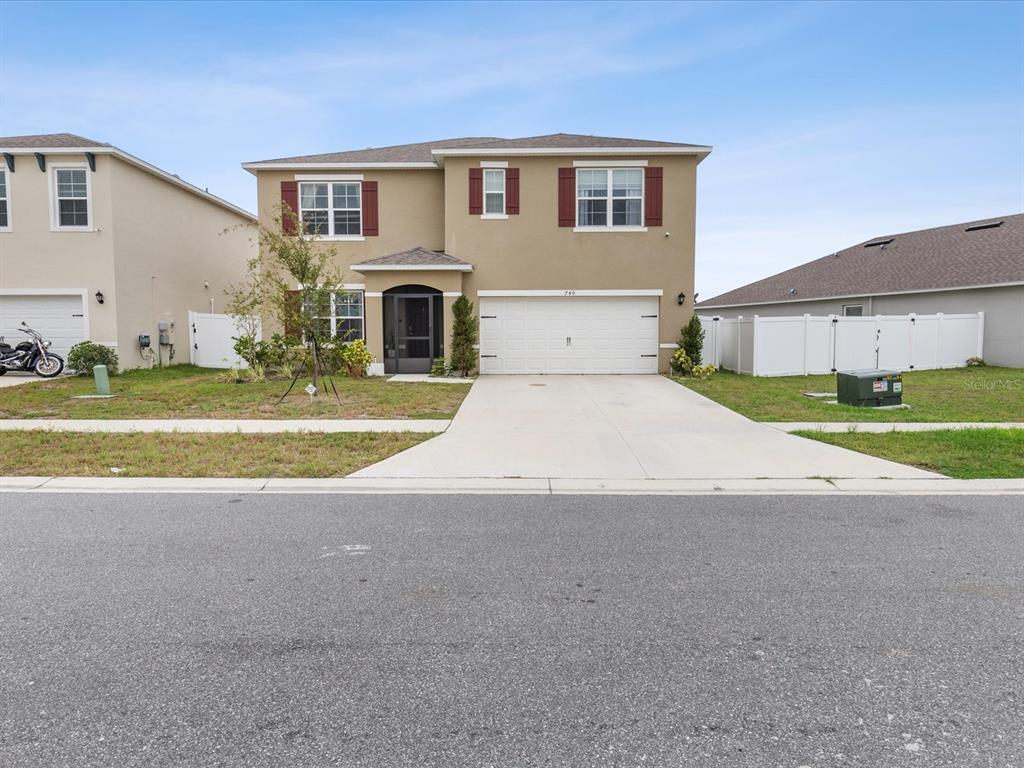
x=50 y=367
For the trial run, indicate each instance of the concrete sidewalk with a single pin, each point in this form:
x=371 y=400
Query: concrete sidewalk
x=542 y=486
x=247 y=426
x=878 y=426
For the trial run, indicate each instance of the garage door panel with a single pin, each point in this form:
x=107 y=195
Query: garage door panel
x=60 y=319
x=608 y=335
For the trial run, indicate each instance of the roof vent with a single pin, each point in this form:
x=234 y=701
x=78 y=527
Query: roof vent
x=989 y=225
x=874 y=243
x=792 y=291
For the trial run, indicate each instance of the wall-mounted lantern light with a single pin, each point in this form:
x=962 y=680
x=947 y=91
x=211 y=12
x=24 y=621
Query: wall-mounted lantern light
x=99 y=297
x=681 y=299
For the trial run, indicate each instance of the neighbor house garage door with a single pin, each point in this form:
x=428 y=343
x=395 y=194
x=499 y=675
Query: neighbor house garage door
x=61 y=319
x=578 y=334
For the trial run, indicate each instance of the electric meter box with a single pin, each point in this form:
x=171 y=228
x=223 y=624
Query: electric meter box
x=870 y=388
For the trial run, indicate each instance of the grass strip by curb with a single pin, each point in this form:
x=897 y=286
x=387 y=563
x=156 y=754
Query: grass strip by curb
x=180 y=454
x=967 y=454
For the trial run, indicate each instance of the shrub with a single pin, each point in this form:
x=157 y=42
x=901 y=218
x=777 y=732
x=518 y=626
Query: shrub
x=86 y=354
x=975 y=362
x=692 y=339
x=464 y=336
x=438 y=368
x=681 y=362
x=356 y=358
x=702 y=371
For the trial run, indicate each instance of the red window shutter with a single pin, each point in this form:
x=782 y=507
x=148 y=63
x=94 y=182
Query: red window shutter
x=371 y=227
x=512 y=191
x=476 y=191
x=289 y=207
x=291 y=331
x=652 y=197
x=566 y=197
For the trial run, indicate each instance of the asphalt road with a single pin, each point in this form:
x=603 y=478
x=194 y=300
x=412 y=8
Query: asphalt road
x=212 y=630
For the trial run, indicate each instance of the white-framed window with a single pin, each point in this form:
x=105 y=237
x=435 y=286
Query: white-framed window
x=609 y=197
x=72 y=198
x=341 y=317
x=331 y=208
x=853 y=310
x=5 y=205
x=494 y=191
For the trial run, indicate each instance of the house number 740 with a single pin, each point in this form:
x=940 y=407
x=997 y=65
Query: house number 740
x=570 y=293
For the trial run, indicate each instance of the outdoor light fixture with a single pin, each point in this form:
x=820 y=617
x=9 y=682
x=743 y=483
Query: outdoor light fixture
x=681 y=299
x=99 y=297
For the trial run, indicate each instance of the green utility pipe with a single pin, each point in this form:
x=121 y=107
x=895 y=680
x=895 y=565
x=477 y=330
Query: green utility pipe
x=99 y=373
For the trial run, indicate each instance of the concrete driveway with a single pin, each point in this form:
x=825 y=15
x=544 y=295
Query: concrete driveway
x=616 y=427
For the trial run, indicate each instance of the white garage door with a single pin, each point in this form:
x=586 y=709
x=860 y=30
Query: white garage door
x=59 y=318
x=578 y=334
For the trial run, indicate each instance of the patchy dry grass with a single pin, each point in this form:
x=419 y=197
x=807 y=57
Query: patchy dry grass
x=187 y=392
x=179 y=454
x=962 y=394
x=963 y=453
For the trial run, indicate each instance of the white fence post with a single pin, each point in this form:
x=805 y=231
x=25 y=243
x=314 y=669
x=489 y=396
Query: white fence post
x=753 y=346
x=981 y=335
x=938 y=342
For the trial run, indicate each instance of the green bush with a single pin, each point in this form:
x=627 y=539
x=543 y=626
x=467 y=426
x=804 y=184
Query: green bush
x=438 y=368
x=681 y=362
x=356 y=358
x=464 y=336
x=261 y=353
x=692 y=339
x=86 y=354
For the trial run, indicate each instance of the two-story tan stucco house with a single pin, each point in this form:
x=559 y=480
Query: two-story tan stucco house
x=98 y=244
x=577 y=251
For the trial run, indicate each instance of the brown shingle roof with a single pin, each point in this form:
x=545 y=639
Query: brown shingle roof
x=423 y=152
x=417 y=256
x=49 y=140
x=401 y=153
x=925 y=260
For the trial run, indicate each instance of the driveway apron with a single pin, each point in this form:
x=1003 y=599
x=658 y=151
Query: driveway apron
x=616 y=427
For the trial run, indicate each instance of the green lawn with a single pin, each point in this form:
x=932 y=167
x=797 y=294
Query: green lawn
x=187 y=392
x=963 y=453
x=961 y=394
x=178 y=454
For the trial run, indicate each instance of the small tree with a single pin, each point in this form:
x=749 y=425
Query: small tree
x=464 y=335
x=691 y=339
x=287 y=259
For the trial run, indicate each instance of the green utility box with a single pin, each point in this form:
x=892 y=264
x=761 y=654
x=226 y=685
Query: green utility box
x=871 y=388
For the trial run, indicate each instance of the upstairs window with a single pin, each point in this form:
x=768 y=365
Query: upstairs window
x=5 y=219
x=331 y=209
x=609 y=197
x=494 y=191
x=71 y=198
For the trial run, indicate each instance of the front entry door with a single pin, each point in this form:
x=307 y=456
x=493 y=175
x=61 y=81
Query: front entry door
x=414 y=333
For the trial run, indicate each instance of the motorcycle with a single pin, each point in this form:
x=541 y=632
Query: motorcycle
x=30 y=356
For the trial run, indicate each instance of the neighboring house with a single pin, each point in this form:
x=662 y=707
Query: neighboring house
x=973 y=267
x=577 y=251
x=98 y=244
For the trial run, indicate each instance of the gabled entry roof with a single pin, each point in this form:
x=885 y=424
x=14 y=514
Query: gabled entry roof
x=417 y=258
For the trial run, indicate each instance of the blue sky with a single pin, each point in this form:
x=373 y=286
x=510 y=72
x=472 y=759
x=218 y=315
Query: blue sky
x=831 y=122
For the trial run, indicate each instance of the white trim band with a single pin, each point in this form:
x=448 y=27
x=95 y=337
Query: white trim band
x=494 y=163
x=412 y=267
x=609 y=163
x=513 y=151
x=572 y=292
x=284 y=166
x=328 y=177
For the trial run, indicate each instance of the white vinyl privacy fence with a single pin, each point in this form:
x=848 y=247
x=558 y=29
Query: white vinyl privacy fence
x=787 y=346
x=211 y=340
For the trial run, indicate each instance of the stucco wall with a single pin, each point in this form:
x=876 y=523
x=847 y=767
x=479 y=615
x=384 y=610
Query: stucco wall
x=530 y=250
x=1003 y=308
x=524 y=251
x=168 y=245
x=33 y=257
x=410 y=206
